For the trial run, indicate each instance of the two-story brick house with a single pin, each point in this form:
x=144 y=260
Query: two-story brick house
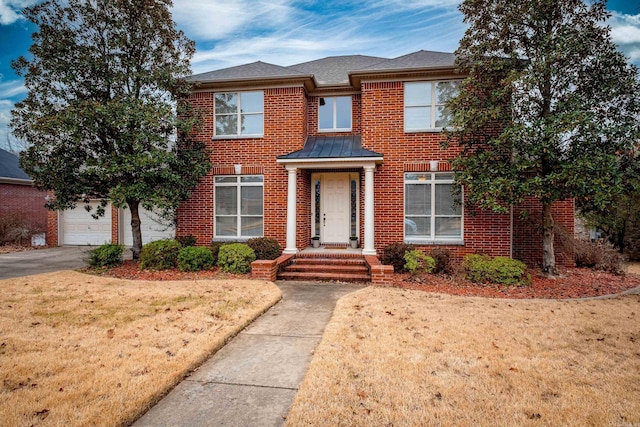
x=337 y=147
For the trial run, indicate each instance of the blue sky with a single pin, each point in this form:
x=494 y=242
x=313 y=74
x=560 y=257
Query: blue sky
x=285 y=32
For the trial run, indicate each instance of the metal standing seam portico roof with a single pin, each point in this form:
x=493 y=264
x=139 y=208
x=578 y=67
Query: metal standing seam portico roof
x=323 y=148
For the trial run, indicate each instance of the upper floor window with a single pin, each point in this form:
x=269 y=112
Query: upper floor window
x=334 y=114
x=432 y=207
x=424 y=105
x=239 y=113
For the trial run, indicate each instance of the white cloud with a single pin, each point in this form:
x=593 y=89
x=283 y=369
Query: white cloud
x=625 y=32
x=12 y=88
x=10 y=10
x=217 y=19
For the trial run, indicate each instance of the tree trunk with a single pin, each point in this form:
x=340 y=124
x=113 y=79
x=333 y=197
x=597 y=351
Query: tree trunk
x=135 y=228
x=548 y=234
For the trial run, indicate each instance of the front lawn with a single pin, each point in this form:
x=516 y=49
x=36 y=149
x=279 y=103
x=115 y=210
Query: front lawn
x=81 y=350
x=406 y=358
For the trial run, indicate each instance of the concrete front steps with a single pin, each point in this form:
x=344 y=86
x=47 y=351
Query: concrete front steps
x=330 y=266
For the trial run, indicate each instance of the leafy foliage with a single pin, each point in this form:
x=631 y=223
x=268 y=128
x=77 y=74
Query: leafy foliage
x=619 y=215
x=236 y=258
x=418 y=262
x=547 y=107
x=501 y=270
x=442 y=258
x=214 y=247
x=106 y=255
x=106 y=115
x=160 y=255
x=393 y=254
x=195 y=258
x=186 y=241
x=265 y=247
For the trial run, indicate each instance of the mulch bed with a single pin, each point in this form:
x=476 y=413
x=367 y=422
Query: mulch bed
x=573 y=283
x=130 y=270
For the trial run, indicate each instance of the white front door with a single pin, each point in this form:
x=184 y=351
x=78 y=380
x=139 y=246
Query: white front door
x=335 y=208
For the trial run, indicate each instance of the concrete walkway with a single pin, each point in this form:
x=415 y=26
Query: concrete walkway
x=253 y=380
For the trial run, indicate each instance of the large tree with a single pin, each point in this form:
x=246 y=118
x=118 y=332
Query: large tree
x=106 y=115
x=547 y=108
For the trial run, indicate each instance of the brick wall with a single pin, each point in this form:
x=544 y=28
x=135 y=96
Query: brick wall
x=383 y=131
x=285 y=127
x=527 y=237
x=26 y=201
x=378 y=115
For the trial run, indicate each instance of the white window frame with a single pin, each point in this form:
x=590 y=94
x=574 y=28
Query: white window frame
x=430 y=179
x=334 y=100
x=239 y=113
x=428 y=103
x=238 y=184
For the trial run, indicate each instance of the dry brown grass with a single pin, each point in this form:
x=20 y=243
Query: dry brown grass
x=408 y=358
x=81 y=350
x=634 y=268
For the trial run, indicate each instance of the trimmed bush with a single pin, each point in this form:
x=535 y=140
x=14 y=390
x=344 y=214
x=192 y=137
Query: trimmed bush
x=160 y=255
x=214 y=247
x=500 y=270
x=186 y=241
x=393 y=254
x=418 y=262
x=195 y=258
x=265 y=247
x=442 y=258
x=236 y=258
x=106 y=255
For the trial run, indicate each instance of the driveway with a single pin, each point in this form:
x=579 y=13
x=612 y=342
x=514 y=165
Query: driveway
x=42 y=261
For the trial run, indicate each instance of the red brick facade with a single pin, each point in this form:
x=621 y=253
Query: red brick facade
x=26 y=201
x=291 y=114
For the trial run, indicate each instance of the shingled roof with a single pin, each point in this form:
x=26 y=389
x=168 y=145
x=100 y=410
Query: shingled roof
x=254 y=70
x=419 y=59
x=10 y=167
x=334 y=70
x=330 y=71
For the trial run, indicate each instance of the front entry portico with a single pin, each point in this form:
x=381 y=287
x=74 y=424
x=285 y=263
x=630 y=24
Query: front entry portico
x=337 y=218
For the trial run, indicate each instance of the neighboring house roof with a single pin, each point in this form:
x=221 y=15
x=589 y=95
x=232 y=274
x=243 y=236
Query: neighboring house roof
x=331 y=147
x=330 y=72
x=334 y=70
x=10 y=169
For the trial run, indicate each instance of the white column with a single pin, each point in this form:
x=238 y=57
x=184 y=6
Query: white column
x=291 y=213
x=369 y=244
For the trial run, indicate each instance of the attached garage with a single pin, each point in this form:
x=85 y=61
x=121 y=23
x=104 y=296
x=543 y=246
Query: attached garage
x=80 y=228
x=151 y=226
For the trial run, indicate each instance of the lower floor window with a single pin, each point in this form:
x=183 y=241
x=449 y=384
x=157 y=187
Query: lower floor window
x=239 y=202
x=432 y=207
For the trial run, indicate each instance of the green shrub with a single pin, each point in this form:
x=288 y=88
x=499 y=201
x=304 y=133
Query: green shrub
x=186 y=241
x=236 y=258
x=214 y=247
x=160 y=255
x=501 y=270
x=393 y=254
x=106 y=255
x=418 y=262
x=195 y=258
x=265 y=247
x=442 y=258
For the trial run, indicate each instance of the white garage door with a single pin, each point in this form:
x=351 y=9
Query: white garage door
x=151 y=229
x=79 y=227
